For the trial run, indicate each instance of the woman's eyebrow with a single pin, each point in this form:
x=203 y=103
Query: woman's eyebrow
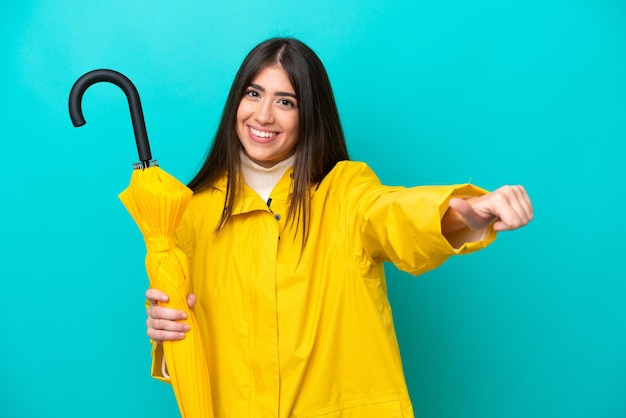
x=279 y=93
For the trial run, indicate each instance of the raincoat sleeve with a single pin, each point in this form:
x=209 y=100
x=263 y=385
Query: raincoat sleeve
x=184 y=240
x=403 y=225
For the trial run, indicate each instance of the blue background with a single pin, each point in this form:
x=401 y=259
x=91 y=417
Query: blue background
x=491 y=92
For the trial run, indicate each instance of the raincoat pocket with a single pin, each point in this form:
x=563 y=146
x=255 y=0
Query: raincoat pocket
x=364 y=409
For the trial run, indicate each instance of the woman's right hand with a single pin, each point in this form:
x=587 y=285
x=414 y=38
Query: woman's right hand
x=162 y=323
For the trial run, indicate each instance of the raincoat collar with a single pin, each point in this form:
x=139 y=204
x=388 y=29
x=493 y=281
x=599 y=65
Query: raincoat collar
x=248 y=200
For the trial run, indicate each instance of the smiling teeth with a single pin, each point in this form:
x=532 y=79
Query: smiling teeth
x=262 y=134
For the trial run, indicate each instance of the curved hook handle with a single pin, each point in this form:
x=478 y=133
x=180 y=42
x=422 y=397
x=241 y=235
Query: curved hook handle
x=134 y=103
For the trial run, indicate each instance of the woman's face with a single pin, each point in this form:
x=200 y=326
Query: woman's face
x=267 y=117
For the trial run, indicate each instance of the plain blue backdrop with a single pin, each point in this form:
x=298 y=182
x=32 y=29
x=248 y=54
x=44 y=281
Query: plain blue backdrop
x=489 y=92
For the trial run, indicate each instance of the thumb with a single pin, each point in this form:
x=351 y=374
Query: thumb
x=461 y=206
x=469 y=215
x=191 y=300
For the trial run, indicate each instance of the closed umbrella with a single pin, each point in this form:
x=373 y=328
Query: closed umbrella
x=156 y=201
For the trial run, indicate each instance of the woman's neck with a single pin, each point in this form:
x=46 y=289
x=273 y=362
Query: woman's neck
x=263 y=180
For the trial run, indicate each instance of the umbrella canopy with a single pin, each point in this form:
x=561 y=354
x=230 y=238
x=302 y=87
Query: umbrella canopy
x=157 y=201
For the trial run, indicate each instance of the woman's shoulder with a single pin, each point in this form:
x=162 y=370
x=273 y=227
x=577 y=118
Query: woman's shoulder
x=349 y=167
x=203 y=199
x=204 y=206
x=350 y=171
x=347 y=180
x=215 y=190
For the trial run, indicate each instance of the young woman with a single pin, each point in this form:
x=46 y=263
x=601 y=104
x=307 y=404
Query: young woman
x=286 y=240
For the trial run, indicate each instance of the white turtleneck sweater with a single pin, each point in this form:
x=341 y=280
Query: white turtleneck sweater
x=263 y=180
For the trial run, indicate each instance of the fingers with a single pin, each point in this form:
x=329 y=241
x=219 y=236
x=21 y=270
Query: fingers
x=159 y=336
x=155 y=295
x=163 y=324
x=512 y=206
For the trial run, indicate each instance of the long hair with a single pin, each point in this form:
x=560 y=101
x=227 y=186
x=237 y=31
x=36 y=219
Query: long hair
x=321 y=143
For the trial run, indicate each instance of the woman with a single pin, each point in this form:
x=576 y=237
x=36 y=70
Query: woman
x=286 y=240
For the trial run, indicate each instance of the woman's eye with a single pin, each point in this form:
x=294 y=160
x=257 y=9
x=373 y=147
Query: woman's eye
x=288 y=103
x=252 y=93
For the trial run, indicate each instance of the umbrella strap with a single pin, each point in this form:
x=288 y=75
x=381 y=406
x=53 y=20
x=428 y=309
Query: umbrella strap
x=159 y=244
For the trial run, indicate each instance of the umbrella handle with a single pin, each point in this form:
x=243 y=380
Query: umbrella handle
x=134 y=103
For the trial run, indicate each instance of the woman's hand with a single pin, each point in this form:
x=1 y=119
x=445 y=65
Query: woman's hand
x=508 y=207
x=162 y=323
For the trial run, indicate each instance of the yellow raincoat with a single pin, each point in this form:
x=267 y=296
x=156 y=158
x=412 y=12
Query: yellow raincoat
x=292 y=332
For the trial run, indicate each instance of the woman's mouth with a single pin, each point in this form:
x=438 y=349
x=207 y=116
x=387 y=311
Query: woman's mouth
x=262 y=134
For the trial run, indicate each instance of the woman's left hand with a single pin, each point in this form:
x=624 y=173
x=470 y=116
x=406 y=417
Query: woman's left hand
x=508 y=207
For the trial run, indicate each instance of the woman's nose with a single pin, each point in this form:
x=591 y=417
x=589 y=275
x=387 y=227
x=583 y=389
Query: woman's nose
x=265 y=112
